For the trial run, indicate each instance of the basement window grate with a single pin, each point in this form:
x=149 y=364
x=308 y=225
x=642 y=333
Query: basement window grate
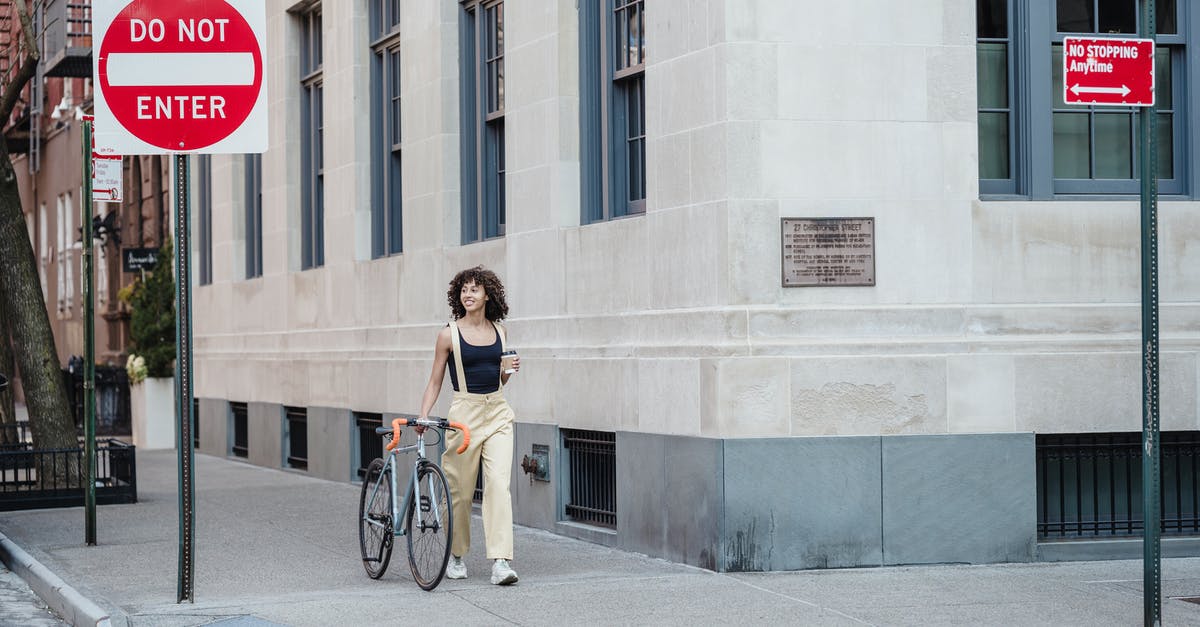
x=591 y=470
x=297 y=437
x=241 y=440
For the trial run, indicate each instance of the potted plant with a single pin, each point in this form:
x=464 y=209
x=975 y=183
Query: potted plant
x=150 y=366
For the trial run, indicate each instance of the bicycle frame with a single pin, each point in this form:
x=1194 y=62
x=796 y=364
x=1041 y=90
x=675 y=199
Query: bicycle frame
x=400 y=526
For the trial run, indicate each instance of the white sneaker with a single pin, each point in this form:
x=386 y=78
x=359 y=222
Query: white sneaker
x=456 y=569
x=502 y=573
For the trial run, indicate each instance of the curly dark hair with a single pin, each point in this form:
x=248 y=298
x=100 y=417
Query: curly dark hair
x=496 y=308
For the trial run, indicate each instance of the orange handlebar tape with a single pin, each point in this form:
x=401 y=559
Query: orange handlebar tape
x=466 y=436
x=396 y=424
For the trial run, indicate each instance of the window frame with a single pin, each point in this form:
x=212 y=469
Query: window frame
x=606 y=84
x=482 y=111
x=387 y=202
x=1032 y=35
x=253 y=216
x=204 y=202
x=312 y=149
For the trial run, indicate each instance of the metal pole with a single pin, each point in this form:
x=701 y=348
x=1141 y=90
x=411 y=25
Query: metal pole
x=183 y=383
x=1151 y=481
x=89 y=343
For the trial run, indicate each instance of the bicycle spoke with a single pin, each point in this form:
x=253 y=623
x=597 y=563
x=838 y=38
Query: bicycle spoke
x=375 y=519
x=429 y=528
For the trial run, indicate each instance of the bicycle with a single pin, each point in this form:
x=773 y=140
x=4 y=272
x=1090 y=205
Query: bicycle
x=427 y=521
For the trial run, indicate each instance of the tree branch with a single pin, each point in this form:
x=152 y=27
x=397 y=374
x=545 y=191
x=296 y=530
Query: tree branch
x=27 y=29
x=29 y=64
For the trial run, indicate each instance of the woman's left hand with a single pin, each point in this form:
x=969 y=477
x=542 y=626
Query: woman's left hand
x=516 y=364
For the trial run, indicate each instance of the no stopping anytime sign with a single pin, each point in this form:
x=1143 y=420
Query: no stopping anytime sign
x=180 y=76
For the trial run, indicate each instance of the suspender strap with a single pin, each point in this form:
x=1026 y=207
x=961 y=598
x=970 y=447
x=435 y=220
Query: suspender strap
x=458 y=362
x=500 y=332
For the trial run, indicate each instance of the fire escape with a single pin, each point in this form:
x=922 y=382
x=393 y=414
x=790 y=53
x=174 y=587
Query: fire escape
x=66 y=53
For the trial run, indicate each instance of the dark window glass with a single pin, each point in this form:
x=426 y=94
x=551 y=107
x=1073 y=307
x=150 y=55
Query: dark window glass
x=991 y=19
x=1117 y=16
x=1076 y=16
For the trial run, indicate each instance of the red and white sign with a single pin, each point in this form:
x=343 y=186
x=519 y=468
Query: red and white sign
x=180 y=76
x=1108 y=71
x=106 y=172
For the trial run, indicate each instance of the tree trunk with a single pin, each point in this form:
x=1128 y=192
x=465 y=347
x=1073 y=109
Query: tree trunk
x=8 y=410
x=50 y=418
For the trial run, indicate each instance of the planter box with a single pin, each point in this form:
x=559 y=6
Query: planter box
x=153 y=407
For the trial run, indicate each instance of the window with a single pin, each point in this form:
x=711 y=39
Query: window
x=386 y=200
x=1030 y=149
x=370 y=444
x=312 y=157
x=254 y=262
x=204 y=218
x=238 y=415
x=44 y=253
x=481 y=53
x=612 y=109
x=591 y=462
x=64 y=268
x=296 y=439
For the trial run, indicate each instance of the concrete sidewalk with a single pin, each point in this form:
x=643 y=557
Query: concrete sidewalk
x=280 y=547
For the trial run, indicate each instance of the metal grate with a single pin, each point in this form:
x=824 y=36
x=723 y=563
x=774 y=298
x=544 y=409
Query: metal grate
x=297 y=437
x=1090 y=485
x=370 y=445
x=592 y=476
x=241 y=440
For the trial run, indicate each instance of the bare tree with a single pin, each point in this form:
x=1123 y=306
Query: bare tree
x=50 y=418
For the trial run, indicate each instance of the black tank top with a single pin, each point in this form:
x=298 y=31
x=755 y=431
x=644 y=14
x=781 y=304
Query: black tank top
x=481 y=364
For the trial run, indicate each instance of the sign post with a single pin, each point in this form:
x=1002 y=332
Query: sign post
x=89 y=346
x=1151 y=443
x=1120 y=72
x=175 y=78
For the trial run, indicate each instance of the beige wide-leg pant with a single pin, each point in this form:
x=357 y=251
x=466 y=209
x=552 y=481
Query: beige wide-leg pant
x=490 y=420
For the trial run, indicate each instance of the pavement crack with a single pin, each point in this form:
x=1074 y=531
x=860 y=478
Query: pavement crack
x=799 y=600
x=482 y=608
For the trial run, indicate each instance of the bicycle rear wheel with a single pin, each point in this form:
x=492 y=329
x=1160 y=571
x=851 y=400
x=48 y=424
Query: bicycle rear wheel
x=375 y=526
x=429 y=527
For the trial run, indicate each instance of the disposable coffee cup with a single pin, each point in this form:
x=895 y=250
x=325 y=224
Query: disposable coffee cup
x=506 y=361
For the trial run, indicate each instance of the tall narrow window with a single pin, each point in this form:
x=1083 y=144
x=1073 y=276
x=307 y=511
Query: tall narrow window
x=482 y=109
x=254 y=263
x=612 y=109
x=204 y=218
x=312 y=126
x=386 y=200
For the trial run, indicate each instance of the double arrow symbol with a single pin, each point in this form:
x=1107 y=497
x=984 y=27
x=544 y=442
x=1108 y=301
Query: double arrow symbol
x=1123 y=90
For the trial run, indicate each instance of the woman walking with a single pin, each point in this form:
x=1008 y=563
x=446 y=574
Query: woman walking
x=471 y=346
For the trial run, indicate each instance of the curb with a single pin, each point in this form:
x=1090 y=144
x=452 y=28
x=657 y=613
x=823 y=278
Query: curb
x=73 y=607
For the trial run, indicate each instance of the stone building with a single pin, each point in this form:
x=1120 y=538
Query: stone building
x=628 y=168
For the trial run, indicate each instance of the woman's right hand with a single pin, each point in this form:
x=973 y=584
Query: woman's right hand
x=418 y=428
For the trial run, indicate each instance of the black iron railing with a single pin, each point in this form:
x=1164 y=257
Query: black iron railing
x=1090 y=485
x=36 y=478
x=297 y=437
x=592 y=473
x=370 y=445
x=241 y=433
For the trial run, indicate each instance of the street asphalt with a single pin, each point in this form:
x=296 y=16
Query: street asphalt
x=279 y=547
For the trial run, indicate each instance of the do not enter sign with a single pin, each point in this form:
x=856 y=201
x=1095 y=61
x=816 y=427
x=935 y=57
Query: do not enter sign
x=180 y=76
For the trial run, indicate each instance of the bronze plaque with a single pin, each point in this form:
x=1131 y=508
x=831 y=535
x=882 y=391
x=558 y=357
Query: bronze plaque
x=828 y=252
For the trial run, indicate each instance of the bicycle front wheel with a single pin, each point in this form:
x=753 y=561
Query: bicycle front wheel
x=375 y=525
x=429 y=527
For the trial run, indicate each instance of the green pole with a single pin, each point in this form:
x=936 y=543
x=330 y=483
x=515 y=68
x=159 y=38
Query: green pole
x=183 y=383
x=89 y=342
x=1151 y=481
